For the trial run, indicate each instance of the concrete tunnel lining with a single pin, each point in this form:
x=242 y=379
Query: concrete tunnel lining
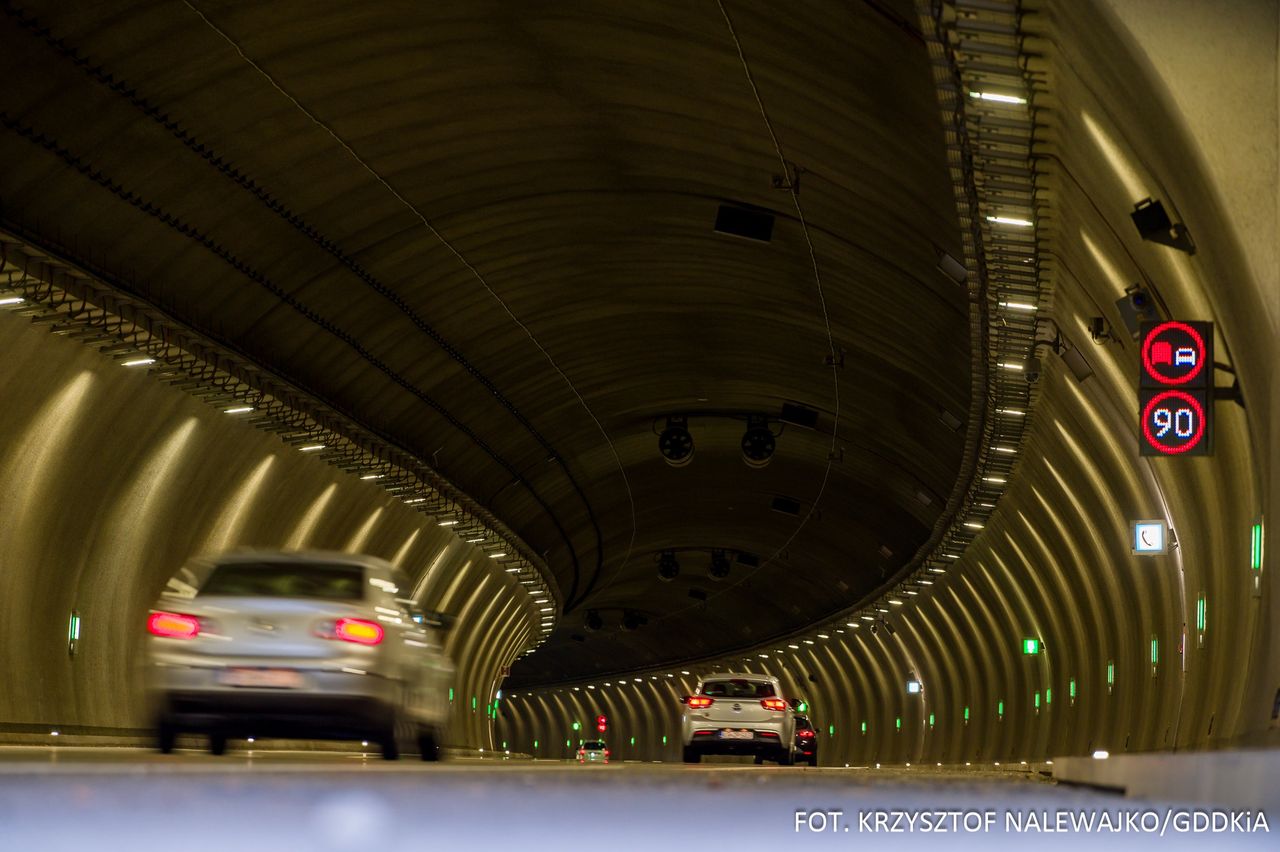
x=1051 y=561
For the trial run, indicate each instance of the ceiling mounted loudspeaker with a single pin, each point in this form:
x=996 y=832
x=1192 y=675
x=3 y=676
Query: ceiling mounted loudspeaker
x=675 y=443
x=668 y=566
x=633 y=621
x=593 y=622
x=758 y=442
x=719 y=568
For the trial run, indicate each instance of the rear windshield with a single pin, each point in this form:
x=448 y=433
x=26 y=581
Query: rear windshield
x=593 y=745
x=333 y=582
x=738 y=688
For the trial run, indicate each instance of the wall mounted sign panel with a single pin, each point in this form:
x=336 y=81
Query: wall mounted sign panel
x=1150 y=538
x=1175 y=396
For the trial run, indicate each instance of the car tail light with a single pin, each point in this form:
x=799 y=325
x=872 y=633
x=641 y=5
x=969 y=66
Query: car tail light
x=358 y=630
x=804 y=734
x=773 y=734
x=773 y=704
x=173 y=625
x=606 y=752
x=699 y=701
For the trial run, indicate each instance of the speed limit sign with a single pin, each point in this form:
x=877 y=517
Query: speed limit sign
x=1175 y=396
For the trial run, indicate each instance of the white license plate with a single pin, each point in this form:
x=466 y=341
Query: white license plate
x=261 y=678
x=736 y=735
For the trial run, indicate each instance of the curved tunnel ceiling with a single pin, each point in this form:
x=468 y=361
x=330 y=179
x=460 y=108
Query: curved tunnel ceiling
x=490 y=239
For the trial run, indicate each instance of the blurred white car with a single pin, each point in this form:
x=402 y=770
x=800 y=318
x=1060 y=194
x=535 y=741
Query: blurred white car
x=309 y=645
x=593 y=751
x=738 y=714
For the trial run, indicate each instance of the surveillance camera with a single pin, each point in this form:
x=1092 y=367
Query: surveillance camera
x=1031 y=370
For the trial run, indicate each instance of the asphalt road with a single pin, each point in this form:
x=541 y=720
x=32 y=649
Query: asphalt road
x=96 y=799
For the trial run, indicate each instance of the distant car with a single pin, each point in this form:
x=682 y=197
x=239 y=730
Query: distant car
x=593 y=751
x=738 y=714
x=806 y=741
x=297 y=645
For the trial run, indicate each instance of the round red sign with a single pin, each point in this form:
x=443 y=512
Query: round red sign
x=1173 y=353
x=1173 y=422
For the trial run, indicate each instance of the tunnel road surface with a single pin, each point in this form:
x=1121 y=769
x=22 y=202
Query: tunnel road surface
x=117 y=799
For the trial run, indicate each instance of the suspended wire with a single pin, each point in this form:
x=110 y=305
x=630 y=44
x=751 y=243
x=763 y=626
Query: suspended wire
x=793 y=189
x=452 y=250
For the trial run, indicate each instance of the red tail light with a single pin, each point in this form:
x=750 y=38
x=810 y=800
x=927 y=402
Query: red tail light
x=804 y=734
x=358 y=630
x=173 y=625
x=699 y=701
x=773 y=704
x=606 y=752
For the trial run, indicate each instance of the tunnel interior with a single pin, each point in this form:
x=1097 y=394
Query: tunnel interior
x=651 y=342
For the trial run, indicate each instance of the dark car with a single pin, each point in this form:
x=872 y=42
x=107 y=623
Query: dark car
x=806 y=741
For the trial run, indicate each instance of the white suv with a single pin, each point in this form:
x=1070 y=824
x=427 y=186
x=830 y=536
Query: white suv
x=738 y=714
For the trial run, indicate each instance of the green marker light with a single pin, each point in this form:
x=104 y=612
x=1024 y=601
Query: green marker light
x=473 y=703
x=831 y=730
x=1155 y=651
x=930 y=720
x=966 y=714
x=633 y=740
x=1030 y=646
x=1255 y=551
x=1000 y=710
x=451 y=695
x=864 y=726
x=898 y=723
x=1048 y=695
x=577 y=726
x=1071 y=688
x=664 y=740
x=535 y=744
x=1111 y=672
x=1201 y=613
x=1037 y=700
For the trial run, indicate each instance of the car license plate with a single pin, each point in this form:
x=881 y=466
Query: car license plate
x=735 y=735
x=262 y=678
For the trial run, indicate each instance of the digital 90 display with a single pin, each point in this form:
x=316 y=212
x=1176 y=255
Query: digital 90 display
x=1175 y=389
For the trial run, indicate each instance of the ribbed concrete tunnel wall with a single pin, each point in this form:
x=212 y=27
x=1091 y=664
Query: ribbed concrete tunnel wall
x=110 y=480
x=1054 y=561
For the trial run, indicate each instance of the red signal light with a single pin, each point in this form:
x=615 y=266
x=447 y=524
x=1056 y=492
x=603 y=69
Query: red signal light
x=173 y=625
x=602 y=723
x=358 y=630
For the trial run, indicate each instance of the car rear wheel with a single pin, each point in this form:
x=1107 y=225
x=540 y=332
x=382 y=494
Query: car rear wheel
x=217 y=743
x=784 y=758
x=692 y=755
x=166 y=736
x=759 y=761
x=428 y=745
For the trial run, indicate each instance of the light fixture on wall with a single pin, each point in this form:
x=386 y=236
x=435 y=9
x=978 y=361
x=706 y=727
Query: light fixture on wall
x=1136 y=306
x=675 y=443
x=719 y=567
x=758 y=442
x=668 y=566
x=1154 y=225
x=1071 y=356
x=951 y=267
